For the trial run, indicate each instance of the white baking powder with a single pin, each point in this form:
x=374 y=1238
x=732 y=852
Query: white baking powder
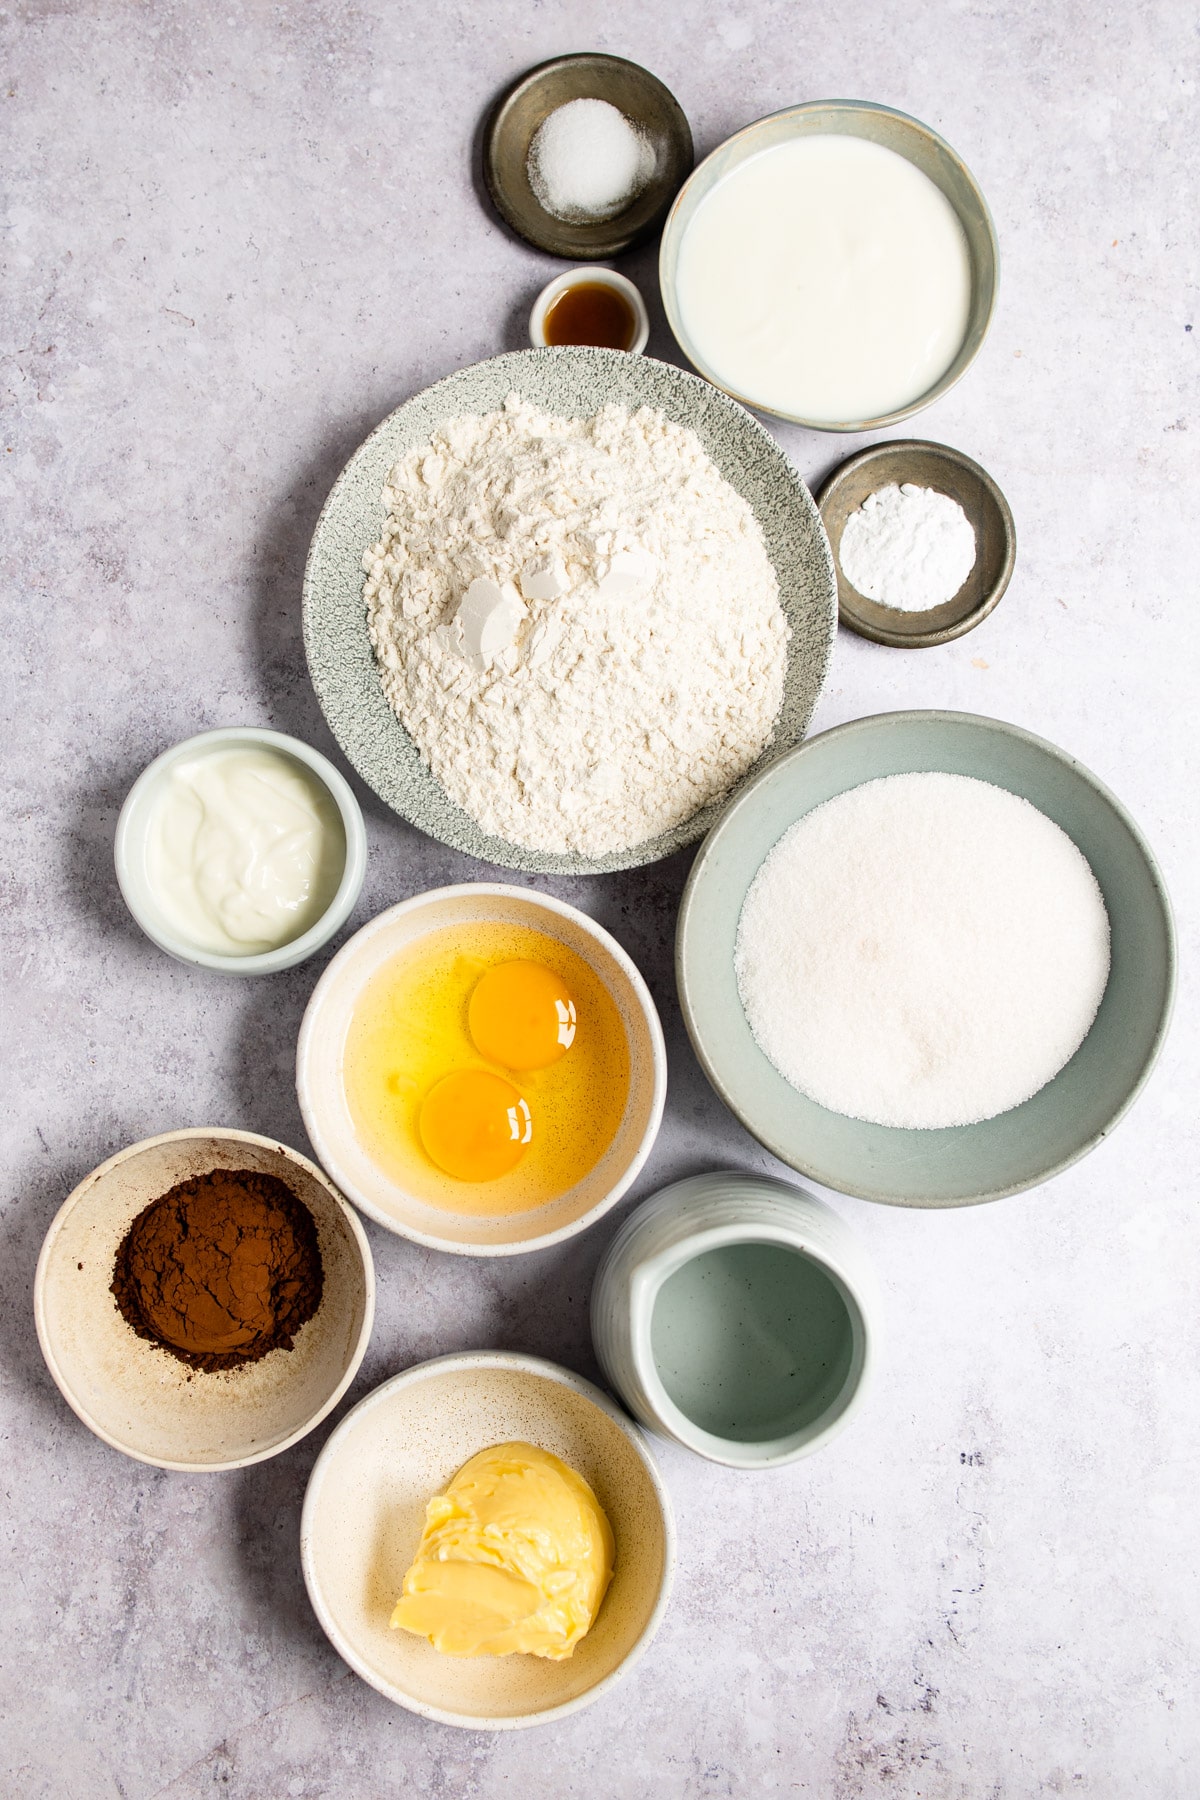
x=924 y=950
x=907 y=547
x=577 y=622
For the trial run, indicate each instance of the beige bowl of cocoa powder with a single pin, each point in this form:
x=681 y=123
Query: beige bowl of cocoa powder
x=135 y=1394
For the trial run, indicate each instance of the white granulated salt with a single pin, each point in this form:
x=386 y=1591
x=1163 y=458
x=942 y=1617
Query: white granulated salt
x=907 y=547
x=587 y=161
x=577 y=622
x=924 y=950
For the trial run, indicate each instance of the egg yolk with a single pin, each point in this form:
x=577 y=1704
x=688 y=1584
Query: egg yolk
x=522 y=1016
x=474 y=1125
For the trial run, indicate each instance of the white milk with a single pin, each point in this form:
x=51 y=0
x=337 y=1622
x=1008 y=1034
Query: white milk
x=826 y=277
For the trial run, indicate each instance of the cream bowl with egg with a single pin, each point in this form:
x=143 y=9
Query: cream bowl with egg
x=240 y=850
x=365 y=1507
x=482 y=1069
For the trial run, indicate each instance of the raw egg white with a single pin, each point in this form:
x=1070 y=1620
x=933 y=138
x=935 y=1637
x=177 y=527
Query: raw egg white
x=486 y=1068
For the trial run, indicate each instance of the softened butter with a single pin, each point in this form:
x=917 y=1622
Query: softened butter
x=516 y=1555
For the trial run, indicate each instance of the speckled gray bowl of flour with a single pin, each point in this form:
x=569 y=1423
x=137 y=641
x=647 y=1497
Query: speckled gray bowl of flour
x=572 y=382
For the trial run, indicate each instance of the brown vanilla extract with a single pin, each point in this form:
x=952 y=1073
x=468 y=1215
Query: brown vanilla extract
x=591 y=312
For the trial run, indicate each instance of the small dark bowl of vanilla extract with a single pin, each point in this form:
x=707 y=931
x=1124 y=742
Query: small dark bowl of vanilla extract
x=590 y=306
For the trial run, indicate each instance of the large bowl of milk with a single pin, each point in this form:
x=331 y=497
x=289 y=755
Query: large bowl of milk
x=834 y=264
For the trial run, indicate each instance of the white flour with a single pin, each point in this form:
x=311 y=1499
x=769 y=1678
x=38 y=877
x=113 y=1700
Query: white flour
x=620 y=661
x=908 y=547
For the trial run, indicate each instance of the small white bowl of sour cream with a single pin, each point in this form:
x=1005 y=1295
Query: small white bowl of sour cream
x=241 y=850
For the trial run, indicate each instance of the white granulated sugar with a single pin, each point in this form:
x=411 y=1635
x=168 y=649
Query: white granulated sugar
x=907 y=547
x=577 y=622
x=587 y=161
x=924 y=950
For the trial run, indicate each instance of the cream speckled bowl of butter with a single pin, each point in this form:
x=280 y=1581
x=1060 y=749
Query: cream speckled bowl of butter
x=365 y=1508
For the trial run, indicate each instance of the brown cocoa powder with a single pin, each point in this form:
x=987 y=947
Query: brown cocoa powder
x=221 y=1269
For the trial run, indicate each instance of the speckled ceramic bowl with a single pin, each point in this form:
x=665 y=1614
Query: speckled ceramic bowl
x=572 y=382
x=365 y=1509
x=739 y=1316
x=321 y=1050
x=957 y=1165
x=141 y=1399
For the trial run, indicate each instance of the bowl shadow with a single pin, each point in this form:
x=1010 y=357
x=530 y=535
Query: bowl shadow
x=89 y=873
x=479 y=181
x=278 y=584
x=42 y=1188
x=267 y=1508
x=265 y=1051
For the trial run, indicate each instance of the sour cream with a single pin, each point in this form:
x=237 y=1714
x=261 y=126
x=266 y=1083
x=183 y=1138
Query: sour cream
x=826 y=278
x=244 y=851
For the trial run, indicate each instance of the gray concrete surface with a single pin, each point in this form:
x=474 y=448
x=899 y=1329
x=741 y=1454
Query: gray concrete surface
x=235 y=237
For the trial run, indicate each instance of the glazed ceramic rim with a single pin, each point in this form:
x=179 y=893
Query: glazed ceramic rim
x=464 y=1362
x=847 y=592
x=595 y=277
x=296 y=950
x=609 y=236
x=669 y=249
x=760 y=1453
x=78 y=1196
x=333 y=975
x=710 y=847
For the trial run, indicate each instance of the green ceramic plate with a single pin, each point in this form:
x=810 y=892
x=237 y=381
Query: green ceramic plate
x=572 y=382
x=961 y=1164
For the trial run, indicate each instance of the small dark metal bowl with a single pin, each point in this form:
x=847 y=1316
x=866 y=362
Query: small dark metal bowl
x=948 y=472
x=510 y=131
